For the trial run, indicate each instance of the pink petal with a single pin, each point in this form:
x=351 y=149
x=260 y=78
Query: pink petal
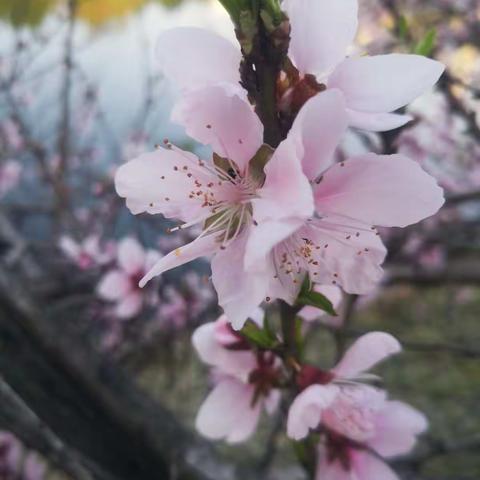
x=384 y=83
x=332 y=469
x=69 y=247
x=369 y=467
x=306 y=410
x=129 y=306
x=33 y=468
x=247 y=425
x=227 y=412
x=321 y=33
x=158 y=182
x=223 y=118
x=386 y=190
x=366 y=352
x=131 y=256
x=114 y=285
x=239 y=292
x=284 y=180
x=213 y=353
x=354 y=412
x=200 y=247
x=319 y=127
x=397 y=428
x=193 y=57
x=263 y=238
x=377 y=122
x=341 y=257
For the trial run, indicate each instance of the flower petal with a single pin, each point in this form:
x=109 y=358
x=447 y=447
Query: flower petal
x=159 y=182
x=114 y=285
x=333 y=470
x=284 y=181
x=223 y=118
x=385 y=190
x=131 y=256
x=225 y=409
x=129 y=306
x=344 y=253
x=193 y=57
x=213 y=353
x=321 y=33
x=200 y=247
x=384 y=83
x=239 y=292
x=263 y=238
x=369 y=467
x=366 y=352
x=377 y=122
x=306 y=410
x=319 y=127
x=397 y=428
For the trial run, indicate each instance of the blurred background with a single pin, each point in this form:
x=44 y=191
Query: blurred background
x=110 y=380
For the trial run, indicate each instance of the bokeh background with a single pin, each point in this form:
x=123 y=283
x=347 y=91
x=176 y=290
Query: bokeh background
x=80 y=95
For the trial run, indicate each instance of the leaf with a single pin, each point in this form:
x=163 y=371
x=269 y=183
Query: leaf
x=403 y=28
x=262 y=338
x=315 y=299
x=427 y=44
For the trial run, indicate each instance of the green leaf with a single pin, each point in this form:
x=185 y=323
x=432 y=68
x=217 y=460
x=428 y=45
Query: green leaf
x=403 y=28
x=262 y=338
x=426 y=46
x=315 y=299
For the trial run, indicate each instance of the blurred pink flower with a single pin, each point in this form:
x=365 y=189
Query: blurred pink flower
x=12 y=134
x=120 y=285
x=245 y=383
x=10 y=173
x=362 y=422
x=33 y=469
x=10 y=453
x=88 y=253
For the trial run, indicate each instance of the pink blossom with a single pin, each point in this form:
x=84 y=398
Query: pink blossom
x=245 y=383
x=363 y=424
x=324 y=391
x=373 y=86
x=215 y=194
x=34 y=469
x=338 y=243
x=355 y=417
x=86 y=254
x=10 y=173
x=120 y=285
x=10 y=453
x=262 y=243
x=12 y=134
x=321 y=33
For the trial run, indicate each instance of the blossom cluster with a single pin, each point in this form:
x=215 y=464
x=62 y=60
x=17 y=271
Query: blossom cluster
x=276 y=219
